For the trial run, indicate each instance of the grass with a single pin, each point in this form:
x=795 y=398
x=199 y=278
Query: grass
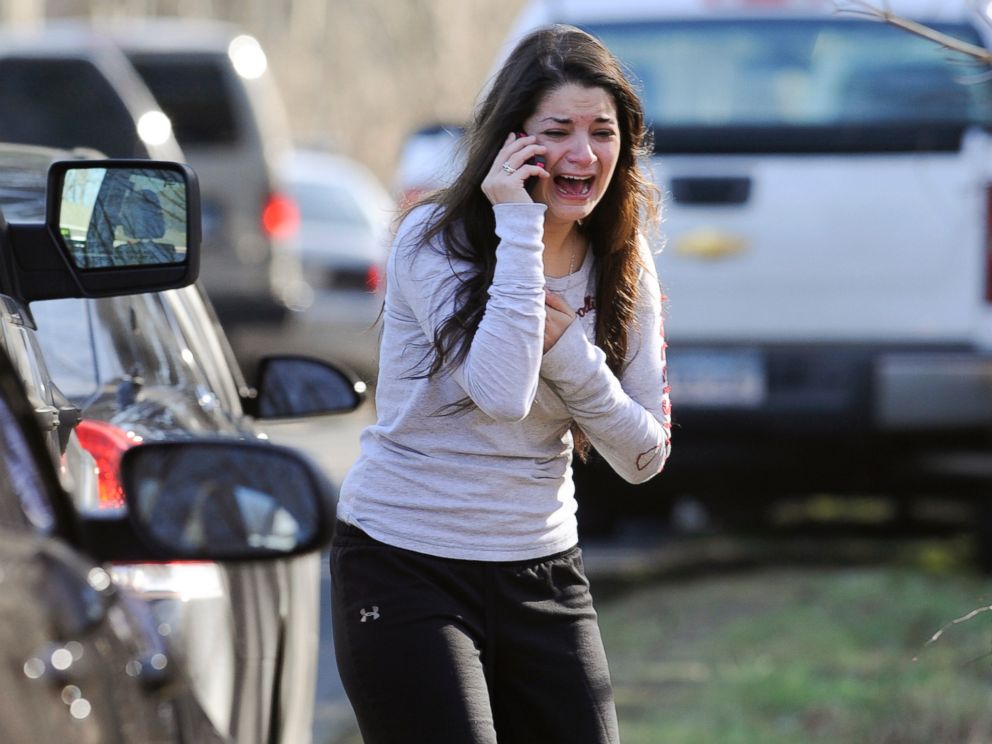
x=818 y=653
x=805 y=655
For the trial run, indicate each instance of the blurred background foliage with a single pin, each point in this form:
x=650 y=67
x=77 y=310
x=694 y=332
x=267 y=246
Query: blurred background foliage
x=357 y=75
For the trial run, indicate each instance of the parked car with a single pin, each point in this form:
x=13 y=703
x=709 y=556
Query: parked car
x=345 y=229
x=47 y=259
x=82 y=661
x=213 y=82
x=64 y=86
x=826 y=217
x=157 y=367
x=429 y=159
x=154 y=367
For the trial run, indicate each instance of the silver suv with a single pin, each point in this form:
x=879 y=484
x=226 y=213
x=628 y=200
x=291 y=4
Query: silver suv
x=63 y=86
x=214 y=84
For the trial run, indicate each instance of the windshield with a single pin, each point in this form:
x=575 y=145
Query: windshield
x=775 y=74
x=326 y=203
x=193 y=93
x=64 y=103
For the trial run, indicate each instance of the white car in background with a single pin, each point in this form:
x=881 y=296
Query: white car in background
x=346 y=219
x=828 y=186
x=429 y=159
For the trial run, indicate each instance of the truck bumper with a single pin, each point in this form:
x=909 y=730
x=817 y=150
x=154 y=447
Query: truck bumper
x=933 y=391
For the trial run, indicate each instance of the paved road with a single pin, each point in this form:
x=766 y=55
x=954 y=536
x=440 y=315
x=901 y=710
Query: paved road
x=332 y=713
x=333 y=444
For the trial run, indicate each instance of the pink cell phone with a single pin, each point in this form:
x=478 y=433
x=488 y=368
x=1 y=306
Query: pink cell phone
x=536 y=160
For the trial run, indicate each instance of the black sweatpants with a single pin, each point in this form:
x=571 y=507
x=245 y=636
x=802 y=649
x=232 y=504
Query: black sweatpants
x=440 y=651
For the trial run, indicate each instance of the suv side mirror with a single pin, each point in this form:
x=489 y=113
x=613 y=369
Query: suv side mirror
x=112 y=227
x=214 y=500
x=299 y=386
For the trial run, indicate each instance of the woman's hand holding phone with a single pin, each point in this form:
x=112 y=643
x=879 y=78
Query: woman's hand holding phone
x=538 y=160
x=519 y=160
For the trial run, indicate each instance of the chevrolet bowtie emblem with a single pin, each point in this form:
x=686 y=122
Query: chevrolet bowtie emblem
x=706 y=243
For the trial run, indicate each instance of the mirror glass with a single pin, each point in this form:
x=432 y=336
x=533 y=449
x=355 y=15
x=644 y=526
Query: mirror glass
x=124 y=216
x=291 y=387
x=224 y=499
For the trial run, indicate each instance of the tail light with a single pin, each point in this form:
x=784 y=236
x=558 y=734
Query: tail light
x=988 y=243
x=106 y=444
x=280 y=216
x=183 y=580
x=373 y=278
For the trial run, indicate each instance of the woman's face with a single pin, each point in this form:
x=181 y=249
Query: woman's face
x=579 y=127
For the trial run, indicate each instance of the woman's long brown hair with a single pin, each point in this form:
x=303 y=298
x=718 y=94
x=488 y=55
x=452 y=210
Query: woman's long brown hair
x=464 y=220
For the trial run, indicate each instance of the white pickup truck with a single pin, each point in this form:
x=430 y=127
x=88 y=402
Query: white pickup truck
x=828 y=195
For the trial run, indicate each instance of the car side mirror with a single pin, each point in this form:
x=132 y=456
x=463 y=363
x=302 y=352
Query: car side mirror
x=214 y=500
x=227 y=501
x=298 y=386
x=112 y=227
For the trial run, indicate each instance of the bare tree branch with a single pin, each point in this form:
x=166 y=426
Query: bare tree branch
x=945 y=40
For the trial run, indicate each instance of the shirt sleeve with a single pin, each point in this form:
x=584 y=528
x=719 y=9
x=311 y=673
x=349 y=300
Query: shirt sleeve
x=501 y=370
x=627 y=420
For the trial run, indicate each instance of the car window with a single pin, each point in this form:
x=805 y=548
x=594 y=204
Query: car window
x=24 y=502
x=22 y=192
x=796 y=73
x=193 y=92
x=92 y=346
x=325 y=203
x=64 y=103
x=203 y=340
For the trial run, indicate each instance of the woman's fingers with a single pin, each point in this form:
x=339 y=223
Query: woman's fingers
x=557 y=302
x=557 y=317
x=507 y=178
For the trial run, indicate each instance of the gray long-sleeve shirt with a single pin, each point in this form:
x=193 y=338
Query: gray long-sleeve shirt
x=494 y=482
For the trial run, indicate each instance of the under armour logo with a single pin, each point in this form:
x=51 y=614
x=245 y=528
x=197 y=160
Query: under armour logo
x=373 y=615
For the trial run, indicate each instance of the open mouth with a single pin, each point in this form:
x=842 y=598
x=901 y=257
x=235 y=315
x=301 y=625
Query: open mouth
x=573 y=185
